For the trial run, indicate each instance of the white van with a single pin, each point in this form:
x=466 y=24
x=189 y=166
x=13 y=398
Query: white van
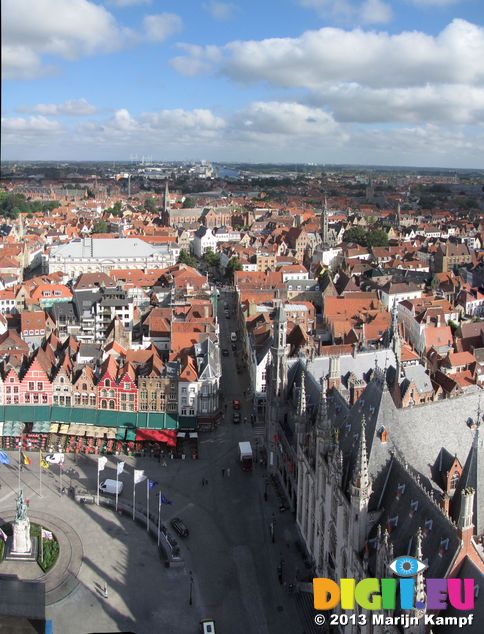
x=233 y=337
x=110 y=486
x=207 y=626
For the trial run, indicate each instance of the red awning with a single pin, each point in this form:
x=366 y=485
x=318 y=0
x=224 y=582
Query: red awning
x=167 y=436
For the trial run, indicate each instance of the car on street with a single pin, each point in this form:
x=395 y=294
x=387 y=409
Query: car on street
x=236 y=404
x=207 y=626
x=236 y=418
x=225 y=352
x=227 y=314
x=111 y=487
x=234 y=347
x=179 y=526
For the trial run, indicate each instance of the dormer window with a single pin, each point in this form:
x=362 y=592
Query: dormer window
x=401 y=489
x=429 y=524
x=414 y=506
x=454 y=480
x=444 y=543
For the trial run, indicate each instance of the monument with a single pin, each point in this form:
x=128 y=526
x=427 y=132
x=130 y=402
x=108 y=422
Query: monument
x=21 y=546
x=22 y=543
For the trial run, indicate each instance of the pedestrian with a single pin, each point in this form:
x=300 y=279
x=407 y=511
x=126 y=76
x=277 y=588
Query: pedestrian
x=105 y=591
x=223 y=473
x=228 y=472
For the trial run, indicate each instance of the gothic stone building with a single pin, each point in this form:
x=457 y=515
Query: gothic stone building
x=370 y=481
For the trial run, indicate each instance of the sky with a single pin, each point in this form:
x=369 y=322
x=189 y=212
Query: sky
x=376 y=82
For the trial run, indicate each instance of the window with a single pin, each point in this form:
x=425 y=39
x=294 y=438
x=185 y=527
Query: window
x=40 y=386
x=454 y=480
x=127 y=386
x=107 y=382
x=31 y=386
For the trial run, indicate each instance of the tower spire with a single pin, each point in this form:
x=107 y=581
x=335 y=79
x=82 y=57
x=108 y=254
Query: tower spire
x=361 y=478
x=301 y=403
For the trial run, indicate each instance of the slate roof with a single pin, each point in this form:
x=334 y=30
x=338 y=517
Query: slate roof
x=473 y=476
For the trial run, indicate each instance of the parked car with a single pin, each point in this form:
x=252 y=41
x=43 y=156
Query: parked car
x=178 y=526
x=236 y=404
x=236 y=418
x=234 y=347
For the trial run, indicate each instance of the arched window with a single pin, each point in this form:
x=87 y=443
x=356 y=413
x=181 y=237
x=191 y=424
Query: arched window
x=103 y=404
x=454 y=480
x=107 y=383
x=84 y=387
x=111 y=404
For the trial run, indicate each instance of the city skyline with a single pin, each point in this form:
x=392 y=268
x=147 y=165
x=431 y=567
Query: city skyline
x=324 y=81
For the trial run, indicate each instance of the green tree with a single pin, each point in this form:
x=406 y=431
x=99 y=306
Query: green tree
x=376 y=238
x=211 y=259
x=101 y=226
x=355 y=234
x=188 y=203
x=233 y=265
x=186 y=258
x=150 y=205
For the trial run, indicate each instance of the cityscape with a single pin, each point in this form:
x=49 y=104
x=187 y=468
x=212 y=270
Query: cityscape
x=242 y=317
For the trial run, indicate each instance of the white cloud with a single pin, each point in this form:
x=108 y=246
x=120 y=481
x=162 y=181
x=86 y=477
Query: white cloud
x=161 y=26
x=434 y=3
x=261 y=131
x=375 y=12
x=72 y=107
x=220 y=10
x=445 y=103
x=128 y=3
x=33 y=28
x=370 y=58
x=367 y=12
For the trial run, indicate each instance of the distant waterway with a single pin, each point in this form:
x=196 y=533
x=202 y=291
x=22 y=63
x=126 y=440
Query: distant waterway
x=228 y=172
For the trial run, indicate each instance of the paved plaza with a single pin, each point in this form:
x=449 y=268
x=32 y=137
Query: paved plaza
x=229 y=551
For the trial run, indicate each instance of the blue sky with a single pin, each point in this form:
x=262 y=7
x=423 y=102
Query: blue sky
x=330 y=81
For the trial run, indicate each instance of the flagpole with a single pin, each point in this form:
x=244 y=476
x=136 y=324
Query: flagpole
x=116 y=488
x=19 y=459
x=134 y=497
x=159 y=515
x=147 y=504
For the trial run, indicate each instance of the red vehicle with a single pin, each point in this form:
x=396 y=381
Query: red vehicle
x=236 y=404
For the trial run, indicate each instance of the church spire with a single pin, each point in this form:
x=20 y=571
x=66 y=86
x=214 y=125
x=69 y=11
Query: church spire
x=301 y=402
x=324 y=222
x=361 y=478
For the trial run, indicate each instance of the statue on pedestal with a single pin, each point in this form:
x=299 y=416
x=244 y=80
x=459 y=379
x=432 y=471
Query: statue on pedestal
x=22 y=544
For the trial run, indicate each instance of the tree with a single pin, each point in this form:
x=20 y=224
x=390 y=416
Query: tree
x=101 y=226
x=150 y=206
x=376 y=238
x=355 y=234
x=185 y=258
x=233 y=265
x=211 y=259
x=188 y=203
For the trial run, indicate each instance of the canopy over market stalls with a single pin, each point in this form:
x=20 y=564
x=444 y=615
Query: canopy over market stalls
x=78 y=421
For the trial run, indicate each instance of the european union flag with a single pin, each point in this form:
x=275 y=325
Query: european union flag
x=152 y=484
x=4 y=459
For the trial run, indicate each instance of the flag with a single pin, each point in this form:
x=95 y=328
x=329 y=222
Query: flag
x=101 y=463
x=25 y=459
x=4 y=459
x=55 y=458
x=152 y=484
x=164 y=500
x=120 y=468
x=139 y=476
x=47 y=534
x=43 y=462
x=2 y=535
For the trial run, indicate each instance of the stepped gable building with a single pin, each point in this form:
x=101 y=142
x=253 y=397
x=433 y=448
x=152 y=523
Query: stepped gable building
x=367 y=479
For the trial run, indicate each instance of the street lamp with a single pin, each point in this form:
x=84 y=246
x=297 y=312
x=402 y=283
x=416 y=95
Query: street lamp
x=191 y=589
